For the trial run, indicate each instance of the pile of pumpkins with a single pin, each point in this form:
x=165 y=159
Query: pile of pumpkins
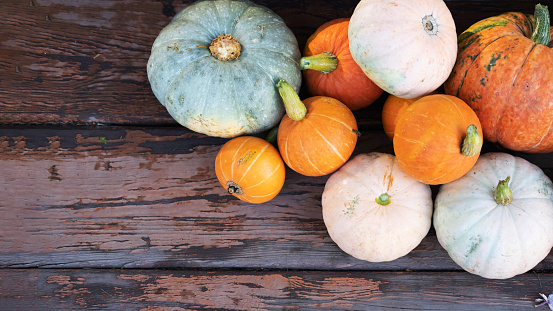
x=232 y=68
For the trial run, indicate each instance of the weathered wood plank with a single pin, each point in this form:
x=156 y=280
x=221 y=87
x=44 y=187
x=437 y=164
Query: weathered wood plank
x=150 y=198
x=85 y=61
x=50 y=289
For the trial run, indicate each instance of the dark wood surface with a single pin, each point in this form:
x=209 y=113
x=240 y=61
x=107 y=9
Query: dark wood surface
x=108 y=204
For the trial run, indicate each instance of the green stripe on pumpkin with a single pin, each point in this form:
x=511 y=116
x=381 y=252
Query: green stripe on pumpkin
x=481 y=25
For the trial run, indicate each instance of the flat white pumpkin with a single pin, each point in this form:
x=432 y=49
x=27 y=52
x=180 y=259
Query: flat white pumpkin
x=356 y=214
x=488 y=238
x=408 y=48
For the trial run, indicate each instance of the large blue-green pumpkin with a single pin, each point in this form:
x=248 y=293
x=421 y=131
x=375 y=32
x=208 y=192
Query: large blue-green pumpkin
x=224 y=98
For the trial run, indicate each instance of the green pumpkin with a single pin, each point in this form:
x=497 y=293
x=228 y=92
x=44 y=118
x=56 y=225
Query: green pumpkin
x=226 y=89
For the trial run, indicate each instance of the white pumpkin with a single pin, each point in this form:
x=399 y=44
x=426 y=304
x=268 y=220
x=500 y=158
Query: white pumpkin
x=408 y=48
x=486 y=234
x=373 y=210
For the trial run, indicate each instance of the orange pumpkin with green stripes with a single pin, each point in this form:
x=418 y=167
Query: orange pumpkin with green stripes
x=316 y=136
x=503 y=72
x=250 y=168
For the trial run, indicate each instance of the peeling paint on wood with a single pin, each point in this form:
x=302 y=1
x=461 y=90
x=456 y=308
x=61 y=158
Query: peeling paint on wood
x=78 y=193
x=264 y=290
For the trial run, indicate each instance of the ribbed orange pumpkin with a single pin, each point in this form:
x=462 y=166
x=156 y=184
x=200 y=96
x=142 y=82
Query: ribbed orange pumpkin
x=437 y=139
x=393 y=108
x=329 y=69
x=316 y=136
x=504 y=72
x=250 y=168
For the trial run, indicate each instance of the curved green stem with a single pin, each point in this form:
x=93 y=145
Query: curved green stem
x=325 y=62
x=295 y=108
x=502 y=193
x=472 y=144
x=272 y=136
x=542 y=30
x=383 y=199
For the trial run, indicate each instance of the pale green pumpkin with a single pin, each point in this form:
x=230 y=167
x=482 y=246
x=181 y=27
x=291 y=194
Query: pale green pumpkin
x=497 y=220
x=229 y=96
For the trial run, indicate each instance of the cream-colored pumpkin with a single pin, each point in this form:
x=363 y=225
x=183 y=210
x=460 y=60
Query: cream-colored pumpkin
x=406 y=47
x=489 y=238
x=356 y=214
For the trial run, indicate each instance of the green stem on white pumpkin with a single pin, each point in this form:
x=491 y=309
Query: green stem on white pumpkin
x=325 y=62
x=542 y=30
x=383 y=199
x=472 y=144
x=295 y=109
x=502 y=193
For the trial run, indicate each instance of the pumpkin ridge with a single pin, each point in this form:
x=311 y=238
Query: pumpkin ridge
x=266 y=195
x=460 y=238
x=308 y=159
x=457 y=108
x=495 y=21
x=329 y=144
x=222 y=168
x=285 y=155
x=455 y=165
x=331 y=118
x=508 y=103
x=242 y=114
x=252 y=163
x=208 y=31
x=276 y=52
x=542 y=137
x=258 y=30
x=264 y=180
x=222 y=17
x=236 y=155
x=496 y=239
x=473 y=60
x=538 y=220
x=205 y=103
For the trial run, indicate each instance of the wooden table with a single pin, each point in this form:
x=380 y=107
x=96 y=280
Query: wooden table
x=108 y=204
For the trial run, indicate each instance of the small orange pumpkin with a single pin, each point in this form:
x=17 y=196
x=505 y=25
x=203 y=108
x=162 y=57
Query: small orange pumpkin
x=250 y=168
x=393 y=108
x=316 y=136
x=329 y=69
x=437 y=139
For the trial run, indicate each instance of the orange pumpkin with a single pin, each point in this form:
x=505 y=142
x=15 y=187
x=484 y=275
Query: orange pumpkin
x=437 y=139
x=503 y=71
x=250 y=168
x=329 y=70
x=393 y=108
x=316 y=136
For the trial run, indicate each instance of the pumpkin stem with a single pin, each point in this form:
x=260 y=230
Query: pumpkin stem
x=502 y=193
x=542 y=30
x=383 y=199
x=233 y=188
x=272 y=136
x=225 y=48
x=430 y=25
x=295 y=109
x=473 y=142
x=325 y=62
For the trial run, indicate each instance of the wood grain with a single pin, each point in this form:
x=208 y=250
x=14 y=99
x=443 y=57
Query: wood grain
x=51 y=289
x=85 y=62
x=96 y=176
x=149 y=198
